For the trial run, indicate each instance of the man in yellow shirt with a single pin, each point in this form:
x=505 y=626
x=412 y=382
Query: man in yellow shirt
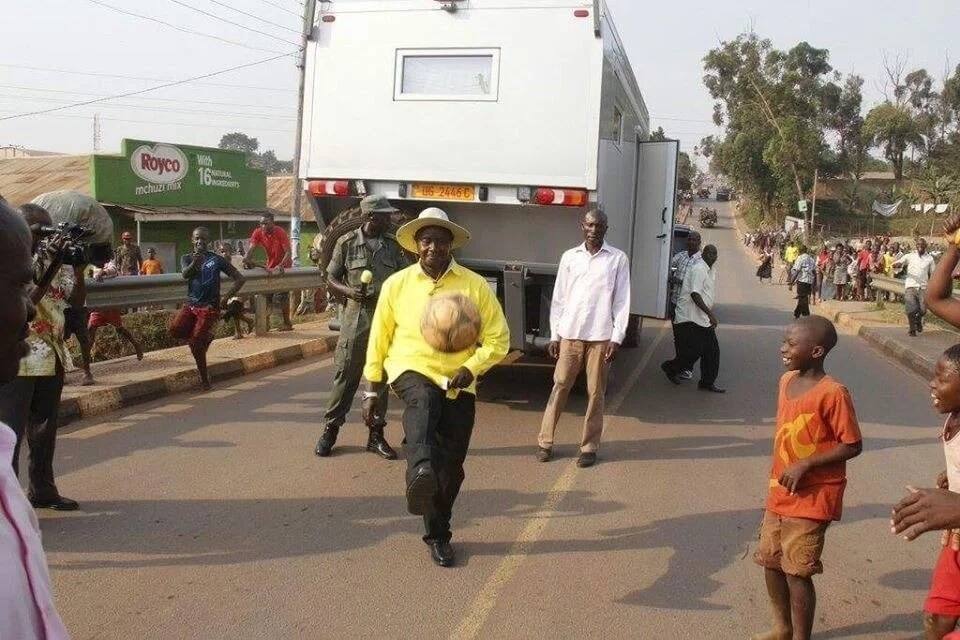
x=790 y=255
x=438 y=389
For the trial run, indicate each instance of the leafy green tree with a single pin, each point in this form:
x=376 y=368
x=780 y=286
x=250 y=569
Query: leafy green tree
x=237 y=141
x=658 y=135
x=686 y=171
x=267 y=160
x=892 y=127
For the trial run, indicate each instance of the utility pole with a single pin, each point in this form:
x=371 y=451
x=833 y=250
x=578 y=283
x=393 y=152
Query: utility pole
x=97 y=135
x=309 y=9
x=813 y=207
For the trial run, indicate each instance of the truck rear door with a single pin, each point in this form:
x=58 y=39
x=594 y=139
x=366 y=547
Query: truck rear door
x=650 y=245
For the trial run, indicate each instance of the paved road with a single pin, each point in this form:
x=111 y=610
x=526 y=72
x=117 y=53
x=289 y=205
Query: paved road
x=207 y=515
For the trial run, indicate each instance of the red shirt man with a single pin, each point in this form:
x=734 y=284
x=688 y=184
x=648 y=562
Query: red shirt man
x=275 y=242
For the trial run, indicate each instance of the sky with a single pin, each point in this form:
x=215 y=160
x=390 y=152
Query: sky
x=57 y=52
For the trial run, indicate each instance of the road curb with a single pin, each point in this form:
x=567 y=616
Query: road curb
x=890 y=347
x=98 y=402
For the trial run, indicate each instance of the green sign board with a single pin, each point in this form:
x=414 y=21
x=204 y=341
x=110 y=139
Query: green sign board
x=157 y=174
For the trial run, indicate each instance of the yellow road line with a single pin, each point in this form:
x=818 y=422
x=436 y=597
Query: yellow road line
x=486 y=599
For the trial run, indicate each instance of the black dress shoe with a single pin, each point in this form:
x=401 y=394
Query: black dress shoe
x=671 y=376
x=421 y=492
x=441 y=553
x=57 y=504
x=587 y=459
x=712 y=388
x=377 y=444
x=326 y=442
x=544 y=454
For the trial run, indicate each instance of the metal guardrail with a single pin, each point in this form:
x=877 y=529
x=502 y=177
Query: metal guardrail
x=894 y=285
x=171 y=288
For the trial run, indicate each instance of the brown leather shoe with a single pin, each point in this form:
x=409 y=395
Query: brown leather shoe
x=544 y=454
x=587 y=459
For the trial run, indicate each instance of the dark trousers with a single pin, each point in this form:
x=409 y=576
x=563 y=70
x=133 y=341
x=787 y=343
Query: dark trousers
x=438 y=433
x=349 y=359
x=29 y=406
x=803 y=300
x=696 y=343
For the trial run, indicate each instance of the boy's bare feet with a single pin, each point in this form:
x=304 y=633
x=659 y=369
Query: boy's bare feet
x=87 y=380
x=774 y=635
x=139 y=353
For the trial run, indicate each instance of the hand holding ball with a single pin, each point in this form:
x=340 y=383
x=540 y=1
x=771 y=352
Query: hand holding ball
x=450 y=323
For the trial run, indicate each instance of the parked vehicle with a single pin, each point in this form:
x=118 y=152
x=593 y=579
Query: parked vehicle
x=473 y=107
x=703 y=194
x=723 y=194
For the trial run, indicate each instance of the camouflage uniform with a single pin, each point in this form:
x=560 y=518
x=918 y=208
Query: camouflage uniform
x=351 y=257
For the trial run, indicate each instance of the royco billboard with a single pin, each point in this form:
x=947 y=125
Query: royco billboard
x=168 y=175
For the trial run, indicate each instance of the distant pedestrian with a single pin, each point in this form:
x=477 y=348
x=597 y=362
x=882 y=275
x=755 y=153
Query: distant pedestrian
x=765 y=270
x=919 y=265
x=195 y=321
x=152 y=265
x=588 y=318
x=276 y=244
x=817 y=432
x=864 y=256
x=697 y=325
x=127 y=256
x=790 y=254
x=110 y=316
x=841 y=261
x=804 y=275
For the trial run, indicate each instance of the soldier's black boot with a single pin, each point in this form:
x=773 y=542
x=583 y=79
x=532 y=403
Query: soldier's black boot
x=378 y=444
x=326 y=441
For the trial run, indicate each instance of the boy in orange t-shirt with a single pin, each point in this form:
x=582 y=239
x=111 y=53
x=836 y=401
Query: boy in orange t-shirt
x=151 y=266
x=817 y=432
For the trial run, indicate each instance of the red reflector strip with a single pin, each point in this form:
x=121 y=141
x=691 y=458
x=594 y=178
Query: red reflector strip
x=561 y=197
x=581 y=13
x=328 y=18
x=328 y=187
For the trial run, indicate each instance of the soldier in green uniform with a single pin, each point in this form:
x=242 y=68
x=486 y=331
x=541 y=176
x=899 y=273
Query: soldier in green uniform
x=369 y=248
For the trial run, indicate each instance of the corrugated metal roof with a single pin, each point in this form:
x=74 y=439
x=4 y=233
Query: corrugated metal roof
x=280 y=197
x=23 y=179
x=146 y=214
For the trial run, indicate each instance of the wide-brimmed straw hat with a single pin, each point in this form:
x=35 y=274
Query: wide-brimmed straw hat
x=431 y=217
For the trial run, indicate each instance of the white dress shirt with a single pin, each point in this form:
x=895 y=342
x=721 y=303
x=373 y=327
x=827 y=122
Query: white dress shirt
x=701 y=279
x=591 y=298
x=919 y=269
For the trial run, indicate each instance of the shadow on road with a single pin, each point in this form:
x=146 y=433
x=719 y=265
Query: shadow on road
x=166 y=533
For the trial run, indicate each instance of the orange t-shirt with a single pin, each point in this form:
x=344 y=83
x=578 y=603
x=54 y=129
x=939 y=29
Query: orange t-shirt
x=813 y=422
x=151 y=267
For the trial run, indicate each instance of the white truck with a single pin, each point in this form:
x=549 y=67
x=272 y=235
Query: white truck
x=514 y=116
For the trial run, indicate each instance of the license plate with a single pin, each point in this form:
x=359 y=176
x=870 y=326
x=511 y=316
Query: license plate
x=428 y=191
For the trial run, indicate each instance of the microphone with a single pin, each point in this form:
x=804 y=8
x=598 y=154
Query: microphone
x=365 y=279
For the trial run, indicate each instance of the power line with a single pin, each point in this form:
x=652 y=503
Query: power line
x=174 y=100
x=148 y=89
x=161 y=122
x=281 y=7
x=122 y=105
x=231 y=22
x=141 y=78
x=255 y=17
x=178 y=28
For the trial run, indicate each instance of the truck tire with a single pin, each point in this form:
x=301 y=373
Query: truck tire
x=632 y=339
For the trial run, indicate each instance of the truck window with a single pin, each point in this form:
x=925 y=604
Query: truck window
x=447 y=74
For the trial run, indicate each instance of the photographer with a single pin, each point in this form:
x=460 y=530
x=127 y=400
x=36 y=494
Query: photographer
x=29 y=404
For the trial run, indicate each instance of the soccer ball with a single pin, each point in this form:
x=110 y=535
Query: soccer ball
x=450 y=323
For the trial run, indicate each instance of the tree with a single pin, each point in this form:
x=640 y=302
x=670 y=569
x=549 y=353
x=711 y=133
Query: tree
x=658 y=135
x=267 y=161
x=893 y=127
x=772 y=103
x=237 y=141
x=686 y=171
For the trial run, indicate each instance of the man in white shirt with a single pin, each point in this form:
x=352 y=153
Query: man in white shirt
x=696 y=325
x=678 y=269
x=588 y=321
x=804 y=275
x=27 y=611
x=920 y=266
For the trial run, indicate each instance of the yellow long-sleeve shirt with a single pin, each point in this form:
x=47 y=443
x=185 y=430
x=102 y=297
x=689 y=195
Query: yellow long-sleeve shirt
x=396 y=344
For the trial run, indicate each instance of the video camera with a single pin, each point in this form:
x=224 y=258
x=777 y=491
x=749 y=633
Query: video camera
x=67 y=240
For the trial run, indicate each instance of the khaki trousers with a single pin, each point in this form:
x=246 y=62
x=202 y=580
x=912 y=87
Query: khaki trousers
x=574 y=356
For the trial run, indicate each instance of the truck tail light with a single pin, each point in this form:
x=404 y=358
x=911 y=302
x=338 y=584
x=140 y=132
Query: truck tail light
x=561 y=197
x=581 y=13
x=329 y=187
